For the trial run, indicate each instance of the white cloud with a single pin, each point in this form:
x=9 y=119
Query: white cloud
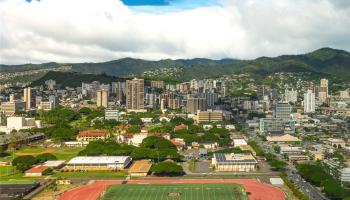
x=102 y=30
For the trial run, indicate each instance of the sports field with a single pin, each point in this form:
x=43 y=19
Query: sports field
x=229 y=191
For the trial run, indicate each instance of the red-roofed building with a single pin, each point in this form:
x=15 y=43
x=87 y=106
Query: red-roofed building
x=179 y=143
x=91 y=135
x=180 y=127
x=36 y=171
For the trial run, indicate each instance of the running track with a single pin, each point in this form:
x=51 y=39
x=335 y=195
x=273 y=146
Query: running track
x=257 y=190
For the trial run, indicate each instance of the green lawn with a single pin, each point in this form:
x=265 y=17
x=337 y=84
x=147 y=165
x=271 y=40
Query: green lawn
x=181 y=192
x=30 y=150
x=92 y=175
x=67 y=153
x=9 y=174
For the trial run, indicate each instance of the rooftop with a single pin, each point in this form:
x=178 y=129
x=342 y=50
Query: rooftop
x=95 y=133
x=234 y=158
x=99 y=160
x=37 y=169
x=53 y=163
x=283 y=138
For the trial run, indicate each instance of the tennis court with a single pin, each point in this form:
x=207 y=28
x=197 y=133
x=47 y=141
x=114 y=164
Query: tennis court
x=223 y=191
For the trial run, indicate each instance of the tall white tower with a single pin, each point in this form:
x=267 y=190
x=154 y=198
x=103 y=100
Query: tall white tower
x=309 y=102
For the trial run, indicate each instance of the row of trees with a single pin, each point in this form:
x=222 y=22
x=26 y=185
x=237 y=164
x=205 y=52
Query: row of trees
x=318 y=176
x=22 y=163
x=154 y=148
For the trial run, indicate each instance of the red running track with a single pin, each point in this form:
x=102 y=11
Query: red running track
x=256 y=189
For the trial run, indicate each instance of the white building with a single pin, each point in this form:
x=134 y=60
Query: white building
x=239 y=142
x=18 y=123
x=309 y=102
x=291 y=95
x=98 y=163
x=345 y=175
x=111 y=114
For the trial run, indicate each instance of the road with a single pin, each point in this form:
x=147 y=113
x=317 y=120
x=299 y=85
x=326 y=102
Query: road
x=312 y=192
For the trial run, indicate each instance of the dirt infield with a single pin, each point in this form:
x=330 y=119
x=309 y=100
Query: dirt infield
x=255 y=189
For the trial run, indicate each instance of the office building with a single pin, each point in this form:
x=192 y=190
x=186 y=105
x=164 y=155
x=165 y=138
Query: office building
x=18 y=123
x=27 y=98
x=210 y=97
x=111 y=114
x=291 y=96
x=283 y=111
x=46 y=106
x=195 y=104
x=135 y=94
x=309 y=102
x=157 y=84
x=102 y=98
x=322 y=90
x=170 y=100
x=11 y=107
x=118 y=89
x=209 y=116
x=151 y=100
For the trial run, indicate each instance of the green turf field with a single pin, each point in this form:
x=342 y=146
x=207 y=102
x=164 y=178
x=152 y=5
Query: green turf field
x=175 y=191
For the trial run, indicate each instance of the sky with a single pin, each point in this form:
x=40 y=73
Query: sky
x=33 y=31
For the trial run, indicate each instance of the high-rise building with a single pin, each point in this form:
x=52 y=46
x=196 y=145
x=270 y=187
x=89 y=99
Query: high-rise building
x=290 y=96
x=210 y=97
x=194 y=84
x=283 y=111
x=170 y=100
x=322 y=90
x=309 y=102
x=157 y=84
x=151 y=100
x=102 y=98
x=118 y=88
x=135 y=94
x=195 y=104
x=27 y=97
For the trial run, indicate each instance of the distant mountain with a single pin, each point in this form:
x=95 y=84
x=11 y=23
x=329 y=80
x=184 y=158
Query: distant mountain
x=326 y=60
x=24 y=67
x=74 y=79
x=129 y=66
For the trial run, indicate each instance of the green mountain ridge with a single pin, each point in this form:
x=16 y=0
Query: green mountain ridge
x=325 y=60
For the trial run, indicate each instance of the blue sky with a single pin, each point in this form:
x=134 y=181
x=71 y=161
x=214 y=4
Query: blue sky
x=181 y=3
x=167 y=6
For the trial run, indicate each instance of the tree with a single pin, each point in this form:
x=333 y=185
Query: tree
x=167 y=168
x=133 y=129
x=85 y=111
x=45 y=157
x=154 y=142
x=180 y=120
x=23 y=163
x=277 y=165
x=277 y=149
x=63 y=133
